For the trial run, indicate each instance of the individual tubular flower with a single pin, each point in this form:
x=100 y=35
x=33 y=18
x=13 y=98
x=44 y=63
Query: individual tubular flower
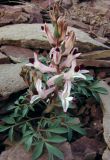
x=40 y=66
x=75 y=72
x=54 y=14
x=55 y=55
x=65 y=96
x=69 y=43
x=72 y=56
x=62 y=28
x=52 y=40
x=42 y=92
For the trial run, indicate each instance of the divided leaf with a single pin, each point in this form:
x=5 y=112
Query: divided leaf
x=38 y=150
x=54 y=150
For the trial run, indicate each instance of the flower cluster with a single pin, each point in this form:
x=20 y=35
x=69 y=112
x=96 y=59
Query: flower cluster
x=61 y=63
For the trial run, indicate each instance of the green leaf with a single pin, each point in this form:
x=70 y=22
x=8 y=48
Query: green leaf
x=100 y=90
x=11 y=107
x=73 y=121
x=96 y=96
x=70 y=134
x=58 y=81
x=8 y=120
x=25 y=111
x=78 y=129
x=28 y=142
x=56 y=139
x=10 y=134
x=38 y=150
x=4 y=128
x=24 y=128
x=27 y=133
x=59 y=130
x=54 y=150
x=88 y=77
x=84 y=91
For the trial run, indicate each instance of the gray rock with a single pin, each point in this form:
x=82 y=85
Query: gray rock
x=17 y=53
x=4 y=59
x=25 y=13
x=31 y=36
x=10 y=80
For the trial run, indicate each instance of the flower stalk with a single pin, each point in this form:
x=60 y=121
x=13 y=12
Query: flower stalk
x=62 y=67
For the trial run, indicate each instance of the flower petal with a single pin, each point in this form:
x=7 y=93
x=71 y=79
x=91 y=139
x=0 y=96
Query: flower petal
x=65 y=105
x=69 y=98
x=29 y=64
x=34 y=98
x=39 y=86
x=50 y=37
x=48 y=91
x=69 y=43
x=84 y=71
x=79 y=75
x=40 y=66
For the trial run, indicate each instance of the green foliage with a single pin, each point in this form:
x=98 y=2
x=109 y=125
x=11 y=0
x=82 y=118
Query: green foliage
x=88 y=88
x=40 y=132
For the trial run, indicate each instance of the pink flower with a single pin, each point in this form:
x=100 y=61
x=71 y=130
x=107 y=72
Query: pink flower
x=55 y=55
x=69 y=43
x=50 y=36
x=42 y=92
x=62 y=27
x=70 y=58
x=65 y=96
x=73 y=73
x=40 y=66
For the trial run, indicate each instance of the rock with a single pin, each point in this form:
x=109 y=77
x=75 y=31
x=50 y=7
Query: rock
x=10 y=80
x=93 y=62
x=31 y=36
x=104 y=54
x=42 y=3
x=19 y=14
x=106 y=154
x=17 y=53
x=4 y=59
x=78 y=24
x=106 y=118
x=85 y=148
x=17 y=152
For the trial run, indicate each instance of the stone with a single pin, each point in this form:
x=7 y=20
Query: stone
x=78 y=24
x=85 y=148
x=106 y=154
x=4 y=59
x=25 y=13
x=105 y=99
x=31 y=36
x=93 y=62
x=17 y=152
x=10 y=80
x=17 y=53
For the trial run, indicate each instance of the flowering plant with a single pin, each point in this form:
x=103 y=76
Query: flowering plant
x=43 y=116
